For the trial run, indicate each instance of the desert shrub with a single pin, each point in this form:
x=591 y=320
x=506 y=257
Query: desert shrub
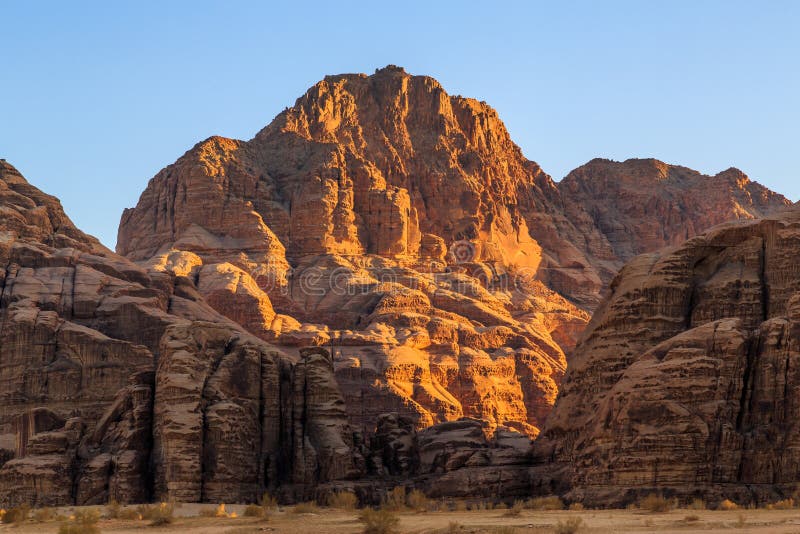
x=218 y=511
x=461 y=506
x=656 y=504
x=697 y=504
x=82 y=522
x=576 y=507
x=162 y=514
x=516 y=509
x=43 y=515
x=569 y=526
x=113 y=508
x=692 y=518
x=343 y=500
x=254 y=510
x=418 y=501
x=395 y=500
x=453 y=527
x=381 y=521
x=545 y=503
x=728 y=505
x=129 y=514
x=268 y=502
x=18 y=514
x=305 y=508
x=785 y=504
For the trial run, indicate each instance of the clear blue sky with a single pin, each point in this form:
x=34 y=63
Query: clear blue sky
x=96 y=97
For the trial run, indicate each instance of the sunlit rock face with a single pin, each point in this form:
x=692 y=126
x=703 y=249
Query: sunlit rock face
x=687 y=380
x=387 y=220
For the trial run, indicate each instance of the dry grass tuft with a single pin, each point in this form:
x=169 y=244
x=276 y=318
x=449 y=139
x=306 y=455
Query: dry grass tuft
x=381 y=521
x=305 y=508
x=569 y=526
x=728 y=505
x=516 y=509
x=545 y=503
x=395 y=500
x=83 y=522
x=656 y=504
x=343 y=500
x=18 y=514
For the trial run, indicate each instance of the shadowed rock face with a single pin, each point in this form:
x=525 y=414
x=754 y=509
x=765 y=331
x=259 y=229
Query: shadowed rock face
x=687 y=380
x=118 y=383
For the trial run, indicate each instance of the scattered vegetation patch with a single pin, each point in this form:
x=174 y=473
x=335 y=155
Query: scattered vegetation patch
x=82 y=522
x=728 y=505
x=218 y=511
x=18 y=514
x=395 y=500
x=418 y=501
x=576 y=507
x=454 y=527
x=305 y=508
x=268 y=502
x=343 y=500
x=545 y=503
x=785 y=504
x=569 y=526
x=697 y=504
x=692 y=518
x=516 y=509
x=656 y=504
x=380 y=521
x=254 y=510
x=44 y=515
x=161 y=514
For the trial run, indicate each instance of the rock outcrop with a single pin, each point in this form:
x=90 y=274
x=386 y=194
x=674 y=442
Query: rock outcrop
x=392 y=223
x=117 y=382
x=687 y=380
x=643 y=205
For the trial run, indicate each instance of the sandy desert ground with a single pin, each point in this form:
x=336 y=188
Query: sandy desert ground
x=492 y=521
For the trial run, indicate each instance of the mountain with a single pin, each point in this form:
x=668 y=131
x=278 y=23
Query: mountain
x=378 y=289
x=118 y=383
x=688 y=379
x=388 y=220
x=643 y=205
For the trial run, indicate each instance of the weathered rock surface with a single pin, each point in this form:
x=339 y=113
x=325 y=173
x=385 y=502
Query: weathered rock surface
x=687 y=380
x=389 y=221
x=116 y=382
x=643 y=205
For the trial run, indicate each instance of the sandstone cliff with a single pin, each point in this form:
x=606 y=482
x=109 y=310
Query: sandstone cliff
x=687 y=380
x=119 y=383
x=394 y=223
x=643 y=205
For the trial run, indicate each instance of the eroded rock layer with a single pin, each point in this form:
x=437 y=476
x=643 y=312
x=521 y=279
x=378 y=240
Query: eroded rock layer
x=119 y=383
x=392 y=223
x=687 y=381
